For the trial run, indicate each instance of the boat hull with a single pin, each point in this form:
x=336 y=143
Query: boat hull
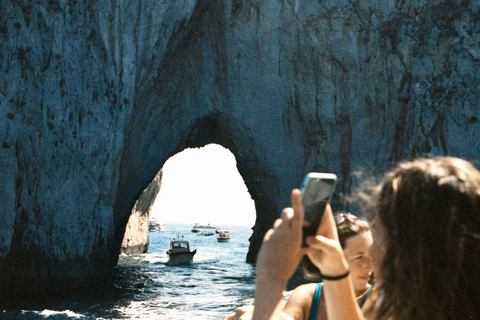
x=197 y=227
x=180 y=258
x=223 y=237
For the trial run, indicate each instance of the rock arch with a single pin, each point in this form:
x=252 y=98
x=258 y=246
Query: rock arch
x=217 y=128
x=96 y=95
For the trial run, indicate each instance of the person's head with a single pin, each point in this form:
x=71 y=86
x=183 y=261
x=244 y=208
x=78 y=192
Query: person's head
x=427 y=240
x=356 y=239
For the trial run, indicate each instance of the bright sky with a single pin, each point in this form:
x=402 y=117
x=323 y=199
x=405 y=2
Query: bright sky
x=203 y=185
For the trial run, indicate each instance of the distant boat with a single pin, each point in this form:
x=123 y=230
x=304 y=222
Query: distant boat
x=224 y=230
x=195 y=229
x=154 y=225
x=223 y=237
x=199 y=227
x=206 y=233
x=180 y=253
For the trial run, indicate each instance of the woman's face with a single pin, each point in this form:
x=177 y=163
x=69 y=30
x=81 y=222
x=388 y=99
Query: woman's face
x=378 y=248
x=358 y=257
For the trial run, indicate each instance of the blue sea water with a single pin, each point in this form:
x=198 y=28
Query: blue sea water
x=144 y=287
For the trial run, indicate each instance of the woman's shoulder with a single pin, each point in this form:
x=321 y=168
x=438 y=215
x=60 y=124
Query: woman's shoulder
x=299 y=302
x=305 y=289
x=302 y=295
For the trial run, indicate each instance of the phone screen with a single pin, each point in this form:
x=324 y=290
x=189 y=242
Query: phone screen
x=317 y=190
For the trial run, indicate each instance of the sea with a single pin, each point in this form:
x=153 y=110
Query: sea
x=142 y=286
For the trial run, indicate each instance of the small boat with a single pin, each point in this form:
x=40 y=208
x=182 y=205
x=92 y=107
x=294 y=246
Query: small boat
x=180 y=253
x=154 y=225
x=206 y=233
x=195 y=230
x=199 y=226
x=224 y=230
x=223 y=237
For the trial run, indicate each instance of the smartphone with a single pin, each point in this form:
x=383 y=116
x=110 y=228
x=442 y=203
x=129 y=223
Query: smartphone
x=317 y=190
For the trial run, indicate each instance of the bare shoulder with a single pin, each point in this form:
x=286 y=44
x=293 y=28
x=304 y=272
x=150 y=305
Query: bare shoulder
x=305 y=290
x=299 y=302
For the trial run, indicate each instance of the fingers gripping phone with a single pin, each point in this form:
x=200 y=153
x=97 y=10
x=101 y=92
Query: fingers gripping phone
x=317 y=190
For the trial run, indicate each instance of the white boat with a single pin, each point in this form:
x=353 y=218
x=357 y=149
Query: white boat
x=155 y=226
x=200 y=227
x=180 y=253
x=224 y=230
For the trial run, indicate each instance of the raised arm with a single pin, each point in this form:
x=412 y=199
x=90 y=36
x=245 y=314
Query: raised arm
x=327 y=254
x=280 y=255
x=277 y=260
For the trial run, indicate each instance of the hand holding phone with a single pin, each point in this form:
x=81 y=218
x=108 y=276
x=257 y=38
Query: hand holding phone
x=317 y=190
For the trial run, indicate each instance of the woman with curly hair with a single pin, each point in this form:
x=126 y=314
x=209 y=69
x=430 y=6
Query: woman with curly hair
x=426 y=248
x=427 y=240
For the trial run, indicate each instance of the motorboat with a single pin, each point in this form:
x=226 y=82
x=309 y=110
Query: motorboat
x=223 y=237
x=224 y=230
x=180 y=253
x=206 y=233
x=154 y=225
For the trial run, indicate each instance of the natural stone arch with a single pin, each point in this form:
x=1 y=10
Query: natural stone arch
x=92 y=91
x=218 y=128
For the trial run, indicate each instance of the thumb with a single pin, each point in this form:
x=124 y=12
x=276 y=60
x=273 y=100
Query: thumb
x=328 y=227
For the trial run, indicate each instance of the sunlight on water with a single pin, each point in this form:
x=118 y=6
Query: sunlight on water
x=143 y=287
x=217 y=283
x=67 y=313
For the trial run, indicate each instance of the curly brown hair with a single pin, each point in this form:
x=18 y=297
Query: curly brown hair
x=430 y=210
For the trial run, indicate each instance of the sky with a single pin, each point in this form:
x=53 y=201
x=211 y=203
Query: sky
x=203 y=185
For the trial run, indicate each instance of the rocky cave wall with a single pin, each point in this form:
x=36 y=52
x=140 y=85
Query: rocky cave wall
x=95 y=96
x=135 y=239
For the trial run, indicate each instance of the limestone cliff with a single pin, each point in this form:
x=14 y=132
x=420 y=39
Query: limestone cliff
x=95 y=96
x=136 y=238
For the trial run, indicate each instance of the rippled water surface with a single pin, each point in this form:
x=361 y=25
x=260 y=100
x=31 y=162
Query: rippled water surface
x=143 y=287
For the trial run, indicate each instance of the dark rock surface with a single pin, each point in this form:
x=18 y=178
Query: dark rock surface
x=95 y=96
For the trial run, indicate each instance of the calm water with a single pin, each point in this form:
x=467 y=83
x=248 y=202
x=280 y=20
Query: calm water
x=143 y=287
